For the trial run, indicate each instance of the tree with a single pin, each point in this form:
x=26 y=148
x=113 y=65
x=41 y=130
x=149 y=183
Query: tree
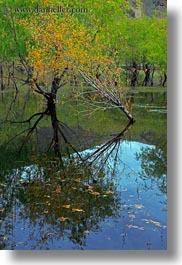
x=59 y=48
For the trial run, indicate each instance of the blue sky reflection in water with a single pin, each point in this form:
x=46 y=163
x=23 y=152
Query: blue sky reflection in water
x=139 y=219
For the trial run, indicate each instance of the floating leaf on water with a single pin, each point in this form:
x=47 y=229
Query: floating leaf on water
x=1 y=210
x=20 y=243
x=109 y=192
x=135 y=227
x=96 y=193
x=156 y=223
x=67 y=206
x=21 y=180
x=86 y=232
x=139 y=206
x=132 y=216
x=78 y=180
x=149 y=221
x=58 y=189
x=63 y=219
x=48 y=203
x=77 y=210
x=47 y=196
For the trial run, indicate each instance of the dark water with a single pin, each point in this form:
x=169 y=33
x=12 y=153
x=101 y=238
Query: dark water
x=117 y=200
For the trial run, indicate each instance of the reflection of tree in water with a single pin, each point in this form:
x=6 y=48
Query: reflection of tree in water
x=56 y=199
x=153 y=164
x=55 y=203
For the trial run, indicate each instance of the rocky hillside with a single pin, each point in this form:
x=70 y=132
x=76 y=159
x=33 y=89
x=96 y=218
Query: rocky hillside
x=148 y=7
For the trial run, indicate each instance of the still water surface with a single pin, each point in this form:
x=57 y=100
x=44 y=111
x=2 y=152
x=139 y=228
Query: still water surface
x=137 y=219
x=119 y=202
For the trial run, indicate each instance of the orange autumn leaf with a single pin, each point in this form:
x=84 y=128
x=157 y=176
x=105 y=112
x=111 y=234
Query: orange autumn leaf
x=109 y=192
x=139 y=206
x=63 y=219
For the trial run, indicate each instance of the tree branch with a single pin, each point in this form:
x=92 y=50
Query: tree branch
x=109 y=95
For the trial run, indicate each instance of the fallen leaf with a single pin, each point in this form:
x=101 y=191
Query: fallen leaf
x=58 y=189
x=86 y=231
x=77 y=210
x=139 y=206
x=96 y=193
x=132 y=216
x=63 y=219
x=78 y=180
x=109 y=192
x=21 y=180
x=67 y=206
x=135 y=227
x=148 y=221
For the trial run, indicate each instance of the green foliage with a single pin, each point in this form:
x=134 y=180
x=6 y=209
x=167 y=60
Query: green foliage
x=12 y=35
x=127 y=39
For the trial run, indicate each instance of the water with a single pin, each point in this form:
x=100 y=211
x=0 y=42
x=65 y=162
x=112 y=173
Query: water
x=115 y=200
x=137 y=219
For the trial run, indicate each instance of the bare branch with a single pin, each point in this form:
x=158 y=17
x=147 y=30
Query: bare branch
x=106 y=93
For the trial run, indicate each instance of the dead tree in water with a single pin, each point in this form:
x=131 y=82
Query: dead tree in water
x=109 y=95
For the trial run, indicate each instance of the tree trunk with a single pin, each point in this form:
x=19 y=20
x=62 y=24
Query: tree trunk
x=1 y=76
x=147 y=75
x=134 y=74
x=152 y=76
x=165 y=79
x=54 y=122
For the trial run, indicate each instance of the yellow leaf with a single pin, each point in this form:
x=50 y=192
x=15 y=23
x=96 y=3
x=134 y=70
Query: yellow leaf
x=139 y=206
x=78 y=210
x=78 y=180
x=67 y=206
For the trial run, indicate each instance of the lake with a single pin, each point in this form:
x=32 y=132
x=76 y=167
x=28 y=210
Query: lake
x=111 y=193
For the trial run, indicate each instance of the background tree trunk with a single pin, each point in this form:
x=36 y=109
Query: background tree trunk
x=1 y=76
